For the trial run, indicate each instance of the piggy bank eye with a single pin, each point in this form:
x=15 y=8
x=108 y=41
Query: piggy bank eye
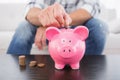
x=70 y=41
x=63 y=40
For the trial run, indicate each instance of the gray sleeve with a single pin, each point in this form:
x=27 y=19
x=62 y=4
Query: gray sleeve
x=92 y=6
x=34 y=3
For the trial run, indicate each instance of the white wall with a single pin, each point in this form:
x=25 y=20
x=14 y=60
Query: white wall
x=13 y=1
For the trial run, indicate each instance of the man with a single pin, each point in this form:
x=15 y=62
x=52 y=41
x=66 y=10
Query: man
x=41 y=14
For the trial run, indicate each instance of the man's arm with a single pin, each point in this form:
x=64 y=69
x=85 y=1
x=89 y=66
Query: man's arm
x=85 y=10
x=79 y=17
x=32 y=16
x=53 y=15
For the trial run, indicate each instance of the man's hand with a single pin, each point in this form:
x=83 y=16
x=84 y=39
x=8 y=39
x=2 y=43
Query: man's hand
x=54 y=15
x=40 y=38
x=61 y=16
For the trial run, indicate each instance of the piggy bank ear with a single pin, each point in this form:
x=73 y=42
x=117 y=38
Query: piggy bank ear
x=51 y=31
x=82 y=32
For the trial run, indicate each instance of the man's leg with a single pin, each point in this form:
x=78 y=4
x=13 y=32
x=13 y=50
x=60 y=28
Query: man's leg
x=97 y=36
x=23 y=39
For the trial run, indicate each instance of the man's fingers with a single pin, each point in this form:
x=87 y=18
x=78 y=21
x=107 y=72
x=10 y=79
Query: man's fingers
x=61 y=16
x=44 y=19
x=60 y=20
x=58 y=14
x=38 y=40
x=39 y=45
x=52 y=20
x=68 y=20
x=43 y=40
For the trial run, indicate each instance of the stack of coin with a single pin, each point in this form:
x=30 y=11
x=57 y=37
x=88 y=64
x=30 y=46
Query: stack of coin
x=22 y=60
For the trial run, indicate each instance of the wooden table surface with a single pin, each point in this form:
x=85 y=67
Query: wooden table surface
x=104 y=67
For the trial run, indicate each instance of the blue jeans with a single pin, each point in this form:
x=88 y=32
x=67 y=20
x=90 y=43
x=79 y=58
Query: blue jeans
x=24 y=38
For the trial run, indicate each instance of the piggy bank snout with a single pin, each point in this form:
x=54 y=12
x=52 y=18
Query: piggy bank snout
x=67 y=52
x=67 y=49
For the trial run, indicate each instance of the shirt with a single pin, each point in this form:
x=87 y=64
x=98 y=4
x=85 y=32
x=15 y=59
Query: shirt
x=92 y=6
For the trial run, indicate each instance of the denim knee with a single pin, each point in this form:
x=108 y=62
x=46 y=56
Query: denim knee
x=25 y=31
x=98 y=31
x=23 y=39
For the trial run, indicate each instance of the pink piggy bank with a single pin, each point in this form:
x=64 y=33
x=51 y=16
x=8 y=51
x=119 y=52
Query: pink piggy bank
x=67 y=46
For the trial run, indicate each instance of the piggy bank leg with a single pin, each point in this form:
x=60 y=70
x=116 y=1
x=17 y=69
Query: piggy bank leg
x=59 y=66
x=75 y=66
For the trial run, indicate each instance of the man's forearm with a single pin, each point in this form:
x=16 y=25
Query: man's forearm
x=32 y=16
x=79 y=17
